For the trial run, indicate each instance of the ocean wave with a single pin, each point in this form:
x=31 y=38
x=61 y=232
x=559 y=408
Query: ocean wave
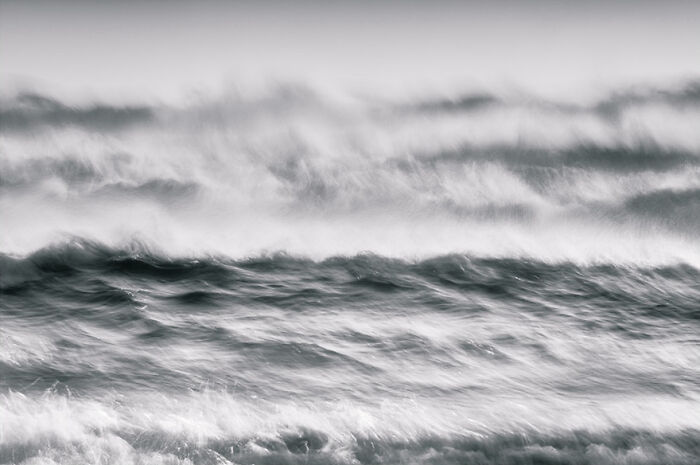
x=213 y=428
x=34 y=112
x=297 y=171
x=132 y=355
x=611 y=106
x=497 y=276
x=296 y=277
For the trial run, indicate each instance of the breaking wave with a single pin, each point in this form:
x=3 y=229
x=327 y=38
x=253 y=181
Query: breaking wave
x=126 y=356
x=209 y=428
x=320 y=175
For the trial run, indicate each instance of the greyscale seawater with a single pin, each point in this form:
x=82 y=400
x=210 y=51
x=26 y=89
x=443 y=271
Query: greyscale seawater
x=289 y=278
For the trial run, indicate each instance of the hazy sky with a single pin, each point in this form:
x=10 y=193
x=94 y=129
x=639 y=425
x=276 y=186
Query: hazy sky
x=163 y=46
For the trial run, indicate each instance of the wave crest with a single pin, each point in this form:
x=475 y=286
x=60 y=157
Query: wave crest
x=294 y=170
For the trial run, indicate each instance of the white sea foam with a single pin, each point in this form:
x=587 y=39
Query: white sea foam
x=65 y=428
x=297 y=171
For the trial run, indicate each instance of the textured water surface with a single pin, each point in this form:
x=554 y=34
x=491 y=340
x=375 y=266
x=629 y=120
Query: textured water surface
x=291 y=278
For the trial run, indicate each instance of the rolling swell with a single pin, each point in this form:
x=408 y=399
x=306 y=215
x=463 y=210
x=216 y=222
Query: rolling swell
x=601 y=360
x=152 y=298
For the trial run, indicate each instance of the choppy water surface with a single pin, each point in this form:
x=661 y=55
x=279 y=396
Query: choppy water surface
x=290 y=278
